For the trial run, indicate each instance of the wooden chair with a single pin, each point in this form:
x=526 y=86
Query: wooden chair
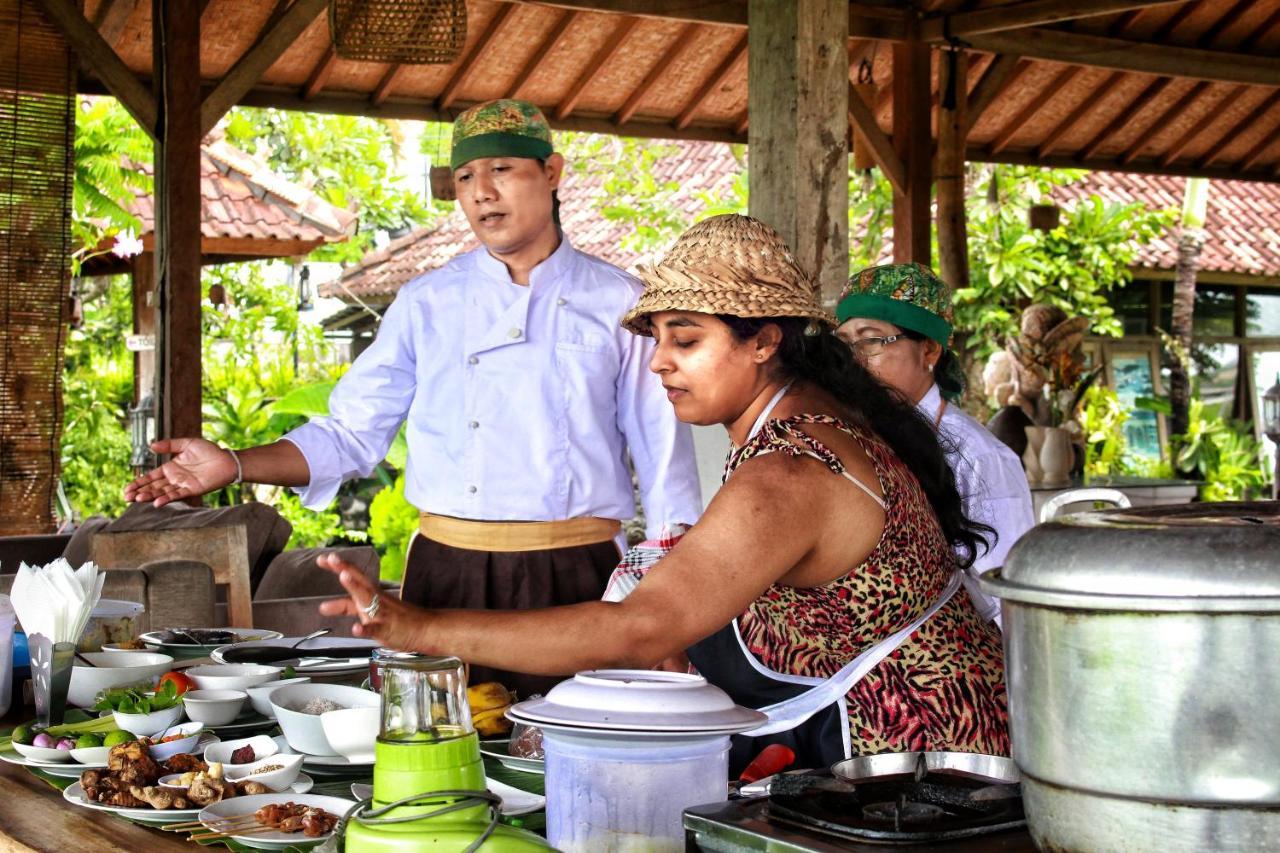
x=224 y=549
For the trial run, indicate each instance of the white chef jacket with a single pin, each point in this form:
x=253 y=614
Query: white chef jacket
x=992 y=484
x=521 y=401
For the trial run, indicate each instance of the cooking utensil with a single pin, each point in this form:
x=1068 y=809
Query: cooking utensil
x=1143 y=693
x=275 y=654
x=311 y=636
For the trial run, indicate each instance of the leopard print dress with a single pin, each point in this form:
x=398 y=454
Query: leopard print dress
x=942 y=689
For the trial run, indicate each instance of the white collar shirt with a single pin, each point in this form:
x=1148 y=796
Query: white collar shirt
x=521 y=403
x=991 y=482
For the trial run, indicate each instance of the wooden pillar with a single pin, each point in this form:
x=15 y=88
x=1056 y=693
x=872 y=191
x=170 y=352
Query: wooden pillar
x=144 y=324
x=912 y=139
x=176 y=49
x=798 y=67
x=953 y=244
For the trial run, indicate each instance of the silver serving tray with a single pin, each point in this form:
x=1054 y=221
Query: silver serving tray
x=993 y=769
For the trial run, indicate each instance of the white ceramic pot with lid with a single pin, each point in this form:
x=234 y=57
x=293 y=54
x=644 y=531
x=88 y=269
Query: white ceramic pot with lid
x=627 y=751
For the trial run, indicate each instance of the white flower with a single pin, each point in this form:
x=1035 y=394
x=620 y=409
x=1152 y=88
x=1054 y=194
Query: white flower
x=127 y=245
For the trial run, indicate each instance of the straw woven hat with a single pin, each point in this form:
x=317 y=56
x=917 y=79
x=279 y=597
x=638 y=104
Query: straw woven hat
x=727 y=264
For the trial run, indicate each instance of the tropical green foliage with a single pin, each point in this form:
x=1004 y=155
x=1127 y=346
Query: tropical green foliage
x=349 y=161
x=392 y=523
x=1225 y=455
x=1102 y=419
x=110 y=152
x=1074 y=266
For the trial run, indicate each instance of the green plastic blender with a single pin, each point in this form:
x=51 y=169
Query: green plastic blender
x=428 y=776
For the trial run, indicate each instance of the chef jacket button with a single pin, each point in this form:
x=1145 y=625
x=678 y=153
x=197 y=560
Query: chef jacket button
x=474 y=424
x=473 y=360
x=562 y=301
x=514 y=334
x=471 y=489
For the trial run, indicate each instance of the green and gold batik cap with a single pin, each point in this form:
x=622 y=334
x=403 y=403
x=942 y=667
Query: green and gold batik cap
x=503 y=128
x=910 y=296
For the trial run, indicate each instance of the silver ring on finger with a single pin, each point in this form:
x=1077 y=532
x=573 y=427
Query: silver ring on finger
x=371 y=609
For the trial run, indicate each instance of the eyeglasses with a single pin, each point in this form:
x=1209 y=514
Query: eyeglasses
x=873 y=346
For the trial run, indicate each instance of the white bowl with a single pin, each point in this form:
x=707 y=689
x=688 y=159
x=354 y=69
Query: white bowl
x=305 y=732
x=170 y=781
x=263 y=747
x=145 y=725
x=43 y=753
x=164 y=751
x=214 y=707
x=91 y=754
x=260 y=697
x=233 y=676
x=353 y=731
x=114 y=669
x=277 y=780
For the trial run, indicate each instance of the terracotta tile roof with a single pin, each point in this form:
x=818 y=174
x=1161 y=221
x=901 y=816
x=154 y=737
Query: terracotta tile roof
x=1242 y=229
x=699 y=167
x=1243 y=223
x=241 y=198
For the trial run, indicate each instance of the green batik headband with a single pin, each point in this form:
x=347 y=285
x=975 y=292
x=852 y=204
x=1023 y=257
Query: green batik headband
x=498 y=145
x=904 y=315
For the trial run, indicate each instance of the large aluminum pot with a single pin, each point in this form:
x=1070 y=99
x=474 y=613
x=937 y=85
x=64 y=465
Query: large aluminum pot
x=1142 y=650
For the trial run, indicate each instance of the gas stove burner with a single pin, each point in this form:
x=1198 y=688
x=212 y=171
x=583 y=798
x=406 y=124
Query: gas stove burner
x=903 y=811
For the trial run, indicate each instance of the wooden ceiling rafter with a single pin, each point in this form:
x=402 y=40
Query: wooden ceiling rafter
x=1091 y=101
x=319 y=75
x=1003 y=72
x=1142 y=57
x=387 y=84
x=715 y=81
x=111 y=17
x=688 y=33
x=1011 y=127
x=101 y=58
x=1197 y=129
x=1254 y=154
x=601 y=58
x=1125 y=116
x=469 y=64
x=276 y=37
x=1231 y=135
x=550 y=43
x=1229 y=19
x=1031 y=13
x=743 y=122
x=1162 y=121
x=863 y=119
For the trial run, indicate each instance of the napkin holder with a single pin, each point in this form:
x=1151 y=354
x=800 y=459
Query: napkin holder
x=51 y=665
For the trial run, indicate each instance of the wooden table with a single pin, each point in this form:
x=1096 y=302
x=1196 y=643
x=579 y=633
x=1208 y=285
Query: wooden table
x=33 y=816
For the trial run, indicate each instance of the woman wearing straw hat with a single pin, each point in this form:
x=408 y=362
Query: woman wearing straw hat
x=820 y=583
x=898 y=319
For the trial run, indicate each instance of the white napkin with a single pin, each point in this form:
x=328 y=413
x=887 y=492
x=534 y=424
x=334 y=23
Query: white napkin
x=55 y=601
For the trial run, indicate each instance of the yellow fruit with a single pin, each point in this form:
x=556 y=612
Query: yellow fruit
x=491 y=694
x=492 y=723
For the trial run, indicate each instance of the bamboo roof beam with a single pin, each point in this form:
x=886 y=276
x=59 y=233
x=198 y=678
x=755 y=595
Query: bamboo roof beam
x=470 y=64
x=319 y=75
x=1011 y=128
x=550 y=43
x=715 y=81
x=598 y=61
x=1239 y=127
x=1032 y=13
x=1126 y=115
x=1196 y=130
x=687 y=35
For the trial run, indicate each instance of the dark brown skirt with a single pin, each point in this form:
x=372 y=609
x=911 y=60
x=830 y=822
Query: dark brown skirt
x=438 y=575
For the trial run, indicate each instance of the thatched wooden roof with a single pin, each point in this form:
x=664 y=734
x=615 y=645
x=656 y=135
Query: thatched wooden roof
x=1164 y=87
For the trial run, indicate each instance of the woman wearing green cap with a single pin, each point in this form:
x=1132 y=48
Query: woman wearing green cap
x=898 y=320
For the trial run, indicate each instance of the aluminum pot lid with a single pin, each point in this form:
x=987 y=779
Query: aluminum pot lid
x=639 y=700
x=1220 y=557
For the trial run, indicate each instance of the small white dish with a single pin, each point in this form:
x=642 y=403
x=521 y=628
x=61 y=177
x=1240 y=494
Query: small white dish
x=171 y=781
x=91 y=755
x=352 y=732
x=214 y=707
x=145 y=725
x=233 y=676
x=260 y=696
x=497 y=749
x=43 y=753
x=191 y=734
x=305 y=732
x=263 y=747
x=289 y=766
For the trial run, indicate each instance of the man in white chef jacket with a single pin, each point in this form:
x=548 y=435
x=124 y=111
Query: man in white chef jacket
x=522 y=394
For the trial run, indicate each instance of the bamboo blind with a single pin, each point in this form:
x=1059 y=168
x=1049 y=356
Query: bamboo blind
x=37 y=132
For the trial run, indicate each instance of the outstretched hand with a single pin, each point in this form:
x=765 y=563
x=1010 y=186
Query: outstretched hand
x=394 y=623
x=197 y=467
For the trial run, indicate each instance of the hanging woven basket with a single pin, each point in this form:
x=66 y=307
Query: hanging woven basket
x=409 y=32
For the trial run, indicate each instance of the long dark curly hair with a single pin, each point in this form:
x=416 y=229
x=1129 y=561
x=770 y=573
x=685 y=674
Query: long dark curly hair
x=828 y=362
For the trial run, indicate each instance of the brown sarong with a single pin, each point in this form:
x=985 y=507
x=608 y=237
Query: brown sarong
x=440 y=576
